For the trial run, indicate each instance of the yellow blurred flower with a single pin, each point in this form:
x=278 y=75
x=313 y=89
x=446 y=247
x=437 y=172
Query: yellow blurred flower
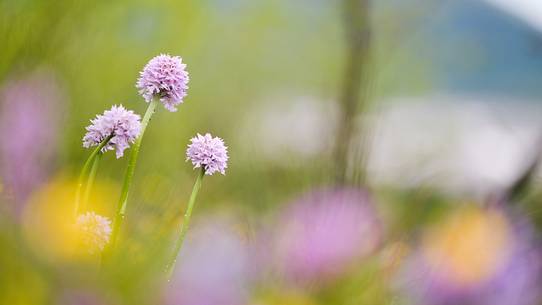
x=50 y=224
x=469 y=246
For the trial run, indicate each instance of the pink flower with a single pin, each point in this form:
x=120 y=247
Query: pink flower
x=123 y=124
x=208 y=153
x=164 y=77
x=94 y=231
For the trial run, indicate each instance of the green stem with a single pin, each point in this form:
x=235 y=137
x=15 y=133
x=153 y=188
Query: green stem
x=128 y=176
x=84 y=171
x=90 y=181
x=186 y=222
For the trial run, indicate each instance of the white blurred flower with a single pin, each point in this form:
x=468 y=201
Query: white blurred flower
x=529 y=11
x=459 y=145
x=286 y=129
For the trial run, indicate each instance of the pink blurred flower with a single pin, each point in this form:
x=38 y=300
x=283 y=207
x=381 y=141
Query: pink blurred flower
x=324 y=231
x=29 y=123
x=212 y=268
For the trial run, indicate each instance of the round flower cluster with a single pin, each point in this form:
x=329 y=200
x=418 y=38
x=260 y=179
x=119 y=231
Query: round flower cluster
x=208 y=153
x=123 y=124
x=164 y=77
x=94 y=231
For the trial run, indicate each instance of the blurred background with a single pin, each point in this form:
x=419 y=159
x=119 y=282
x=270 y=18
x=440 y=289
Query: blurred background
x=382 y=152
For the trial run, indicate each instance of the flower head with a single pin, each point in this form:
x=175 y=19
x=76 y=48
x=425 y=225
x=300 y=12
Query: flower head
x=165 y=77
x=123 y=124
x=94 y=231
x=208 y=153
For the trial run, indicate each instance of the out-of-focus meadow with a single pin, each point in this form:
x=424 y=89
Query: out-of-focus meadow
x=381 y=152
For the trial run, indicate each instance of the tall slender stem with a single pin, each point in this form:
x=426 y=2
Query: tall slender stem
x=84 y=171
x=90 y=181
x=354 y=96
x=186 y=222
x=128 y=176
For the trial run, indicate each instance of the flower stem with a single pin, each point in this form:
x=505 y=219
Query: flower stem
x=90 y=181
x=186 y=222
x=84 y=171
x=123 y=200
